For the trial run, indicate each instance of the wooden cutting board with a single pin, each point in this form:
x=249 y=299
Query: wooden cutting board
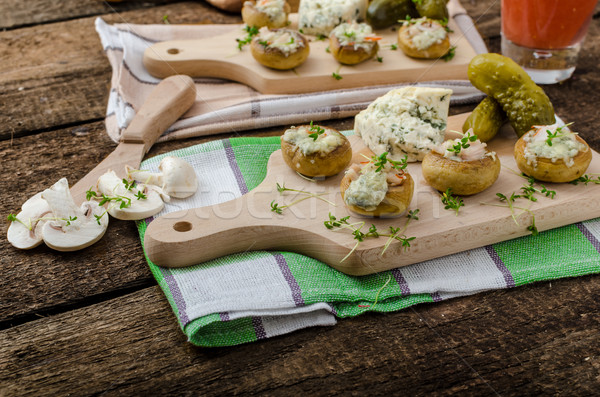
x=193 y=236
x=219 y=57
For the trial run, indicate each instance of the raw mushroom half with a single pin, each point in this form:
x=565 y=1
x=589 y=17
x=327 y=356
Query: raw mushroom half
x=176 y=178
x=71 y=227
x=26 y=232
x=127 y=204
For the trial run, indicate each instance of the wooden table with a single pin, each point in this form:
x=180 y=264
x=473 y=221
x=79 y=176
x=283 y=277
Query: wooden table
x=95 y=322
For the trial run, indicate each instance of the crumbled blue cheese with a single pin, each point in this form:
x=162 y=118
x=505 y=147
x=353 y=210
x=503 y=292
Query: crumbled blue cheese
x=406 y=121
x=321 y=16
x=274 y=9
x=368 y=190
x=286 y=41
x=354 y=34
x=564 y=146
x=325 y=143
x=425 y=32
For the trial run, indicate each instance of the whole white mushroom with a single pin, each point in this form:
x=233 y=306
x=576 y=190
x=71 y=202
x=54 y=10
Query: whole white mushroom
x=177 y=177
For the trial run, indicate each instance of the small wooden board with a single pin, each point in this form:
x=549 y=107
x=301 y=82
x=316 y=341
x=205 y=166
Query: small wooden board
x=193 y=236
x=219 y=57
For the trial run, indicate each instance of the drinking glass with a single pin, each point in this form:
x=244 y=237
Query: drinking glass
x=545 y=36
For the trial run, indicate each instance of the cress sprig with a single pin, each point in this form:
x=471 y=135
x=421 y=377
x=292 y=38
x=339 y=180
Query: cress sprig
x=275 y=207
x=316 y=131
x=251 y=31
x=463 y=143
x=380 y=161
x=451 y=202
x=356 y=229
x=558 y=132
x=13 y=218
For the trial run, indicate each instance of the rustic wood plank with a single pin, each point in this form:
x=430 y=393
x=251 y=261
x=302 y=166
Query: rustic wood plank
x=44 y=88
x=19 y=13
x=538 y=339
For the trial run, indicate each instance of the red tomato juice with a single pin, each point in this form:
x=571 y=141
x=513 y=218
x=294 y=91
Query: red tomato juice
x=546 y=24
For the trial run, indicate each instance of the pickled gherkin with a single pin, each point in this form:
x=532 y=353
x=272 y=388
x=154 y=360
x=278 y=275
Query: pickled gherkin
x=434 y=9
x=524 y=103
x=486 y=119
x=385 y=13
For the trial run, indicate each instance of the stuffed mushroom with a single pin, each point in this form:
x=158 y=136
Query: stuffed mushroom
x=381 y=187
x=281 y=49
x=552 y=154
x=315 y=151
x=423 y=38
x=352 y=43
x=269 y=13
x=463 y=165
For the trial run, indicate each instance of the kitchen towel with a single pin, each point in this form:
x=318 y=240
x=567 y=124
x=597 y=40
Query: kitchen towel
x=255 y=295
x=223 y=106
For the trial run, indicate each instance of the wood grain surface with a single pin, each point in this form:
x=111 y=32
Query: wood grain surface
x=219 y=57
x=95 y=323
x=188 y=237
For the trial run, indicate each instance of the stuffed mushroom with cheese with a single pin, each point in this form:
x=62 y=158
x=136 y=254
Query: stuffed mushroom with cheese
x=281 y=49
x=463 y=165
x=315 y=151
x=552 y=154
x=423 y=38
x=352 y=42
x=381 y=187
x=269 y=13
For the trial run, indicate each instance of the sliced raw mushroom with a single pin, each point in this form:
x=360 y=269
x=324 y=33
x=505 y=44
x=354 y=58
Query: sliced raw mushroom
x=128 y=203
x=177 y=177
x=71 y=227
x=26 y=231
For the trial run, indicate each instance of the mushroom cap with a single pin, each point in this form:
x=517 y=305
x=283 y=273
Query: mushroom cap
x=75 y=227
x=111 y=185
x=178 y=177
x=18 y=234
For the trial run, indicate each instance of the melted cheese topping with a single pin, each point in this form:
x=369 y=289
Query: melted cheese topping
x=564 y=146
x=286 y=41
x=354 y=34
x=406 y=121
x=325 y=143
x=321 y=16
x=274 y=9
x=425 y=32
x=368 y=190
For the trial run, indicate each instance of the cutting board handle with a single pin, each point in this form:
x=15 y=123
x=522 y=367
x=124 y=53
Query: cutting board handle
x=156 y=115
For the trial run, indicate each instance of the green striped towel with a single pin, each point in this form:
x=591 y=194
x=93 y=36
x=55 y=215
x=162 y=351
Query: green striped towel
x=255 y=295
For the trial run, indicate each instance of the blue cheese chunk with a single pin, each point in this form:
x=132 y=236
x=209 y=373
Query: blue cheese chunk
x=368 y=190
x=563 y=145
x=406 y=121
x=319 y=17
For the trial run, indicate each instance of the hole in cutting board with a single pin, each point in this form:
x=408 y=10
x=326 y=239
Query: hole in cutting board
x=173 y=51
x=182 y=226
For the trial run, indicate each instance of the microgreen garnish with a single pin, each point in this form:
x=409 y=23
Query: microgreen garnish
x=140 y=196
x=356 y=229
x=393 y=47
x=13 y=218
x=98 y=217
x=379 y=59
x=128 y=184
x=165 y=19
x=291 y=41
x=350 y=35
x=71 y=219
x=380 y=161
x=585 y=179
x=450 y=54
x=510 y=200
x=327 y=50
x=316 y=131
x=89 y=194
x=251 y=32
x=558 y=132
x=452 y=202
x=263 y=43
x=336 y=76
x=320 y=37
x=444 y=23
x=463 y=143
x=275 y=207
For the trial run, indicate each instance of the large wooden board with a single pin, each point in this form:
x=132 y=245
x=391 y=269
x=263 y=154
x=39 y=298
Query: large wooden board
x=192 y=236
x=219 y=57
